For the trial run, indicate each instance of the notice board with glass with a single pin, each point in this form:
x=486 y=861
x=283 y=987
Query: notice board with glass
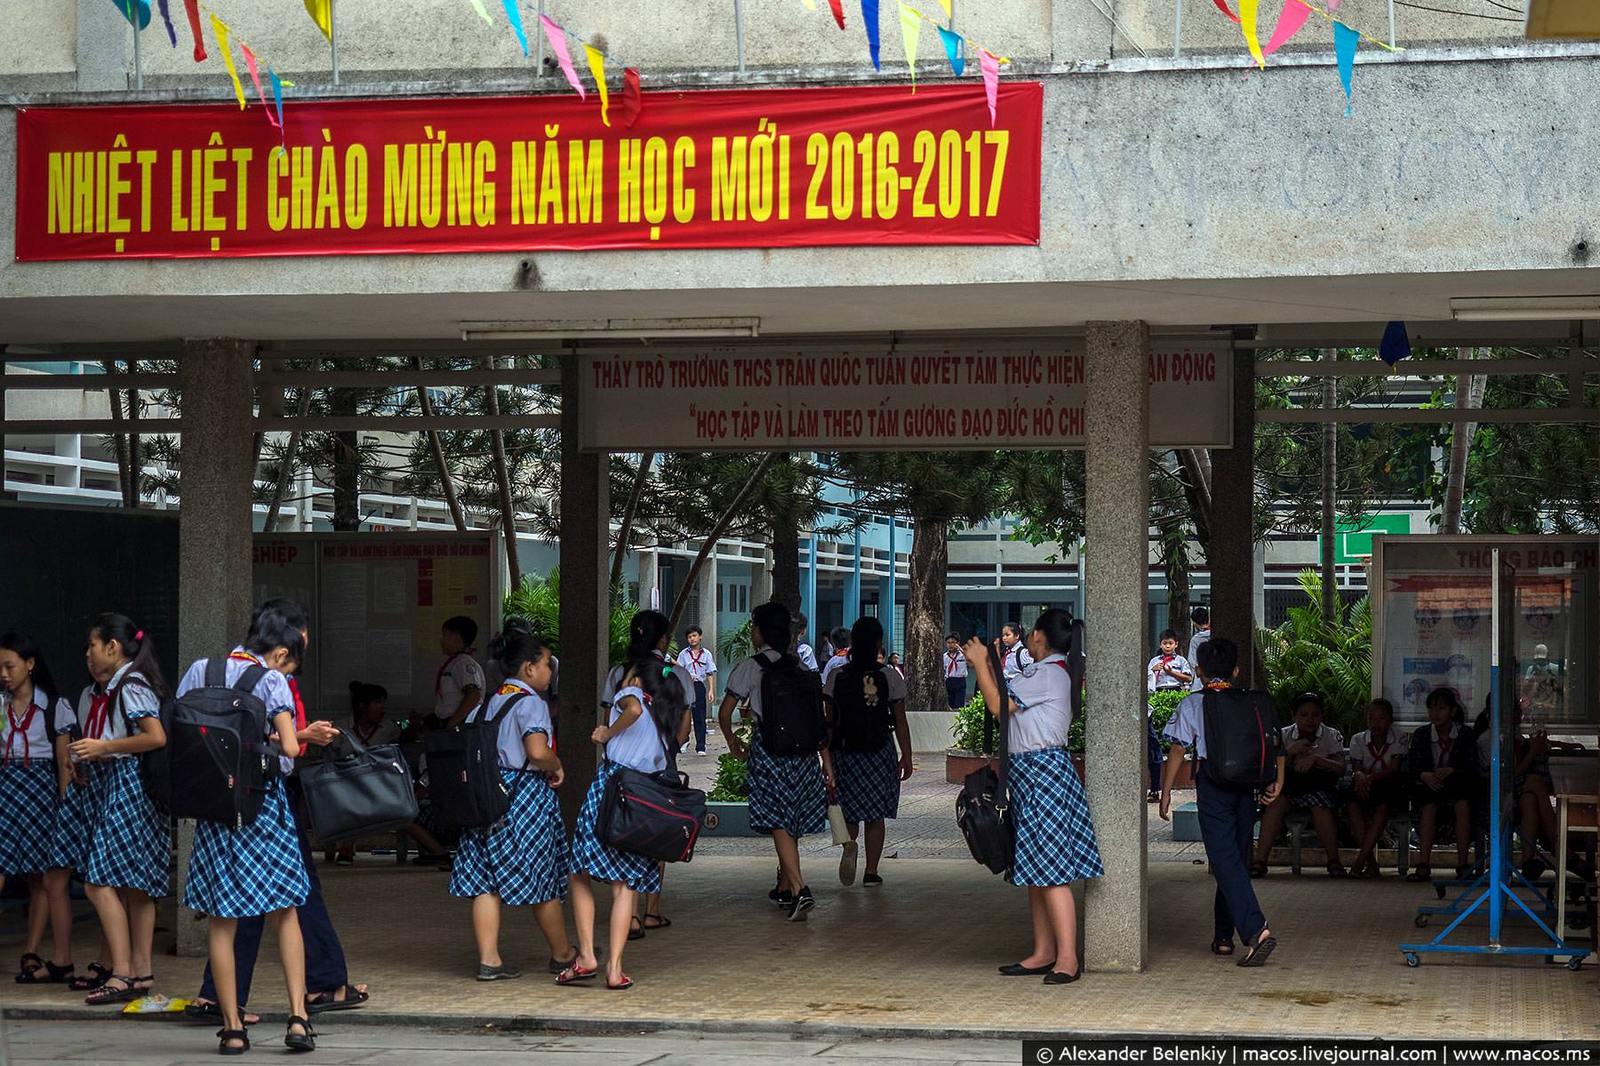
x=1432 y=624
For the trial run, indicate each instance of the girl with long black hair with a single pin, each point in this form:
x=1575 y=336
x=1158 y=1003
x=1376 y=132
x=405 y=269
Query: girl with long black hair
x=1055 y=842
x=646 y=724
x=34 y=778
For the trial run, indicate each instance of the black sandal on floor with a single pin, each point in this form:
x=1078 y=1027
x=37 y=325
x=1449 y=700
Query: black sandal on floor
x=1258 y=870
x=105 y=995
x=660 y=922
x=323 y=1002
x=57 y=975
x=1421 y=875
x=635 y=929
x=1222 y=947
x=29 y=965
x=97 y=976
x=1258 y=954
x=1336 y=869
x=1016 y=969
x=294 y=1041
x=225 y=1035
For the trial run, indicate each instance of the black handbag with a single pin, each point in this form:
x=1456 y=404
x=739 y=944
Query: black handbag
x=656 y=815
x=983 y=805
x=360 y=792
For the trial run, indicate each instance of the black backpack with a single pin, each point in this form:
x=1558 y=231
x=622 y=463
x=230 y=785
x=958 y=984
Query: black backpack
x=217 y=763
x=464 y=770
x=1242 y=738
x=863 y=719
x=791 y=708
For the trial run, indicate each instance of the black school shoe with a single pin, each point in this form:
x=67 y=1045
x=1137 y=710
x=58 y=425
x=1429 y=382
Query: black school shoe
x=802 y=904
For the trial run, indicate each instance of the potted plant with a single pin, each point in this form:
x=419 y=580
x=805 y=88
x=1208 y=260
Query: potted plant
x=729 y=798
x=969 y=752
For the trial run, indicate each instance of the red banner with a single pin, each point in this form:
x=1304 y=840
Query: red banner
x=720 y=169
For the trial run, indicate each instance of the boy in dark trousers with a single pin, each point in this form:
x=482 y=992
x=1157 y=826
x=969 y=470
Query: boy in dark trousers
x=1227 y=813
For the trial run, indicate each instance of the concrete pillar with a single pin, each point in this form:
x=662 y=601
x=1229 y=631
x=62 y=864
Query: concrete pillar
x=585 y=549
x=706 y=590
x=103 y=48
x=1080 y=32
x=1231 y=552
x=1117 y=494
x=214 y=530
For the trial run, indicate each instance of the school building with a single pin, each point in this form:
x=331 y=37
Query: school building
x=1089 y=258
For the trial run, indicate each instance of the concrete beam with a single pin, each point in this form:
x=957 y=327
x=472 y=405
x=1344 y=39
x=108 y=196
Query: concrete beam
x=1080 y=32
x=1231 y=551
x=1117 y=490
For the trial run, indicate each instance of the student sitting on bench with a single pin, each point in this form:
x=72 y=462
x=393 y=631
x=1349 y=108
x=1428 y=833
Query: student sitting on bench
x=1443 y=769
x=1316 y=762
x=1378 y=789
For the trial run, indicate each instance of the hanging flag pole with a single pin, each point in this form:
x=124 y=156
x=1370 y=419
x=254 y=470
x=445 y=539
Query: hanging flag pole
x=333 y=39
x=138 y=60
x=538 y=59
x=738 y=32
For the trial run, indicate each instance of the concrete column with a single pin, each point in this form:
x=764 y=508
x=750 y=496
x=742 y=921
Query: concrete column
x=1117 y=489
x=1080 y=31
x=214 y=530
x=706 y=590
x=103 y=48
x=1231 y=552
x=585 y=549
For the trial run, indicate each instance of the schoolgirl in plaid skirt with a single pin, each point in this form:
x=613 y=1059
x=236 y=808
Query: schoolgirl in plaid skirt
x=1055 y=841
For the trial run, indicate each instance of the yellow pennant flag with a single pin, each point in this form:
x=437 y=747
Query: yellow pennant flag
x=321 y=12
x=811 y=5
x=597 y=67
x=220 y=28
x=910 y=30
x=949 y=11
x=1249 y=22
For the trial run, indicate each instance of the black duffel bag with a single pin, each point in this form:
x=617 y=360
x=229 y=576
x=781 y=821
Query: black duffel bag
x=656 y=815
x=361 y=791
x=983 y=805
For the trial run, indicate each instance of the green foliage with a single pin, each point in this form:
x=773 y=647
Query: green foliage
x=1163 y=705
x=735 y=646
x=1304 y=655
x=732 y=784
x=539 y=601
x=967 y=729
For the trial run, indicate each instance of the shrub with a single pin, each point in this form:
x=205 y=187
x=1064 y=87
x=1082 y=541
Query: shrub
x=1305 y=655
x=967 y=729
x=1163 y=705
x=732 y=784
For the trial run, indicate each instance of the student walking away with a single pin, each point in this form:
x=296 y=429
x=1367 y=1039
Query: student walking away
x=955 y=672
x=1014 y=655
x=1166 y=672
x=256 y=869
x=1201 y=617
x=649 y=636
x=521 y=860
x=1055 y=840
x=1237 y=757
x=802 y=650
x=868 y=711
x=35 y=775
x=1442 y=765
x=1315 y=755
x=840 y=639
x=788 y=783
x=646 y=723
x=372 y=729
x=1377 y=789
x=459 y=686
x=328 y=986
x=702 y=667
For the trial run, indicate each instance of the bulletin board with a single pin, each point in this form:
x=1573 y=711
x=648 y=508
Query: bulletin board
x=377 y=601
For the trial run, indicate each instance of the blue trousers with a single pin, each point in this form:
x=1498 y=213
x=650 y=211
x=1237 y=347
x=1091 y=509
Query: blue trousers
x=1227 y=822
x=1153 y=755
x=325 y=963
x=955 y=690
x=699 y=716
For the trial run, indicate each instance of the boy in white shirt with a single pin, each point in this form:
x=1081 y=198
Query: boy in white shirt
x=955 y=672
x=1316 y=762
x=1167 y=671
x=702 y=667
x=459 y=687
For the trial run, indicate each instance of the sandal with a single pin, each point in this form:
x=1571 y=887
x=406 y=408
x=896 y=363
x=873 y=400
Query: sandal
x=1258 y=954
x=106 y=995
x=575 y=973
x=354 y=996
x=1258 y=869
x=225 y=1035
x=1336 y=870
x=58 y=975
x=660 y=922
x=1420 y=875
x=92 y=980
x=27 y=967
x=635 y=929
x=1222 y=947
x=621 y=986
x=303 y=1041
x=557 y=966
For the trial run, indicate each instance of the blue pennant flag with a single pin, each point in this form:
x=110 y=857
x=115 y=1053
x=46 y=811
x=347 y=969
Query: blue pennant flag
x=137 y=12
x=1344 y=50
x=166 y=17
x=953 y=47
x=1396 y=345
x=869 y=15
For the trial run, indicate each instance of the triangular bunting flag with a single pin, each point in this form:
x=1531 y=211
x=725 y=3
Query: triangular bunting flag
x=483 y=12
x=1396 y=343
x=954 y=49
x=321 y=12
x=632 y=97
x=811 y=5
x=1249 y=23
x=220 y=28
x=838 y=11
x=1345 y=41
x=255 y=79
x=166 y=20
x=277 y=94
x=1222 y=6
x=558 y=44
x=1290 y=19
x=192 y=9
x=137 y=12
x=869 y=18
x=949 y=10
x=597 y=67
x=989 y=63
x=514 y=17
x=910 y=30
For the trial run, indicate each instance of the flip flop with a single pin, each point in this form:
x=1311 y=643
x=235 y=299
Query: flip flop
x=1257 y=955
x=622 y=986
x=575 y=973
x=323 y=1002
x=636 y=929
x=660 y=922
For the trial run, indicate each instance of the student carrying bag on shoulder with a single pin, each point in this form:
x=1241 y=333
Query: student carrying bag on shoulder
x=791 y=708
x=864 y=719
x=983 y=804
x=464 y=770
x=1242 y=738
x=359 y=792
x=217 y=763
x=656 y=815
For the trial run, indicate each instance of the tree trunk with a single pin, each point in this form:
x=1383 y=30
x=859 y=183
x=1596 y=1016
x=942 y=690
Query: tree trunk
x=447 y=481
x=1196 y=463
x=625 y=533
x=502 y=480
x=924 y=637
x=346 y=466
x=280 y=491
x=715 y=535
x=1175 y=560
x=1330 y=474
x=1469 y=397
x=119 y=441
x=785 y=542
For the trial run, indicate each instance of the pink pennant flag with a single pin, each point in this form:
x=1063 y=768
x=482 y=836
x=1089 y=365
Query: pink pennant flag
x=1290 y=19
x=990 y=65
x=558 y=44
x=255 y=77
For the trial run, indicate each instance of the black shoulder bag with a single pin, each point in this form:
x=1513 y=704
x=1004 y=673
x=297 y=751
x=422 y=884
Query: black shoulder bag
x=983 y=805
x=361 y=792
x=656 y=815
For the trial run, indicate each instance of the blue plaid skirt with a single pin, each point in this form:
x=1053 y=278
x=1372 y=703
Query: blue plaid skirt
x=786 y=791
x=523 y=858
x=595 y=857
x=1055 y=836
x=245 y=873
x=130 y=842
x=27 y=816
x=869 y=783
x=69 y=844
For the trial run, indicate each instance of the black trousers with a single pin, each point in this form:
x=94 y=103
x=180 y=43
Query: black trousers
x=1227 y=823
x=955 y=690
x=699 y=716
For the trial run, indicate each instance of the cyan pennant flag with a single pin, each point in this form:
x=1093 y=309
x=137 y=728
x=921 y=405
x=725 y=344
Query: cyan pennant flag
x=953 y=48
x=137 y=12
x=1344 y=50
x=514 y=17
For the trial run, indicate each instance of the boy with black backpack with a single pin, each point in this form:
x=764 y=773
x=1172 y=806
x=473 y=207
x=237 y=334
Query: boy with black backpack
x=1238 y=752
x=868 y=702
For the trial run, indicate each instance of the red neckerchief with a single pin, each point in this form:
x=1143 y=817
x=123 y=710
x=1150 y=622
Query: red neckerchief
x=696 y=654
x=955 y=658
x=20 y=727
x=1218 y=686
x=438 y=679
x=299 y=704
x=94 y=726
x=1376 y=751
x=1445 y=744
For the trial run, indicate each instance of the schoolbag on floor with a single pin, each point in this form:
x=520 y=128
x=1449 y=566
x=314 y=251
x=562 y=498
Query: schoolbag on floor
x=464 y=770
x=863 y=716
x=1242 y=738
x=791 y=708
x=216 y=764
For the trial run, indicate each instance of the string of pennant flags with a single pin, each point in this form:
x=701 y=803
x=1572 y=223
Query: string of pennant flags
x=1295 y=13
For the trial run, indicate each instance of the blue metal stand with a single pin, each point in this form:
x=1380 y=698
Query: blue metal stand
x=1498 y=881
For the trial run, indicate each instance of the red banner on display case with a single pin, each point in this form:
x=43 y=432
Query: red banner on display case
x=748 y=168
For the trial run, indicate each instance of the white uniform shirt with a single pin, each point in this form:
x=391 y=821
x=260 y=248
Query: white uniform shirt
x=1164 y=682
x=385 y=732
x=272 y=690
x=896 y=684
x=459 y=673
x=133 y=699
x=807 y=657
x=833 y=664
x=955 y=666
x=1188 y=725
x=1370 y=755
x=1326 y=742
x=1043 y=695
x=614 y=681
x=699 y=662
x=641 y=745
x=31 y=734
x=530 y=715
x=744 y=684
x=1015 y=660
